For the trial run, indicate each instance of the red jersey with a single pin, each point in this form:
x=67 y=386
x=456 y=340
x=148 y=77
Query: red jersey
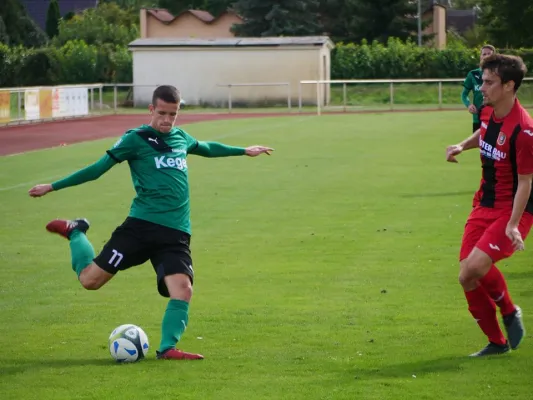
x=506 y=148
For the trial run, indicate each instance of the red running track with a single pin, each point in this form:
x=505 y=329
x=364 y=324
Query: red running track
x=21 y=138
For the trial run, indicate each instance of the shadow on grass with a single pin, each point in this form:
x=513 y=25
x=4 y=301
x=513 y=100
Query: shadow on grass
x=452 y=364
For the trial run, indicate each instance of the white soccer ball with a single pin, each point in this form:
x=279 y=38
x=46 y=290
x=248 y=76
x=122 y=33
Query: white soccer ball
x=128 y=343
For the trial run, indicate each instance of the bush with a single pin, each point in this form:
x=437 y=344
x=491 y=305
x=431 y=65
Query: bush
x=73 y=63
x=39 y=67
x=122 y=62
x=405 y=60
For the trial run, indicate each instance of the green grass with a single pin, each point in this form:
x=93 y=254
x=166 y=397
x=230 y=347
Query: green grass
x=409 y=94
x=327 y=271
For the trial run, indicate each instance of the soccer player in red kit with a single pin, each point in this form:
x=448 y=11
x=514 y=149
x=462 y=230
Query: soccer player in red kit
x=502 y=213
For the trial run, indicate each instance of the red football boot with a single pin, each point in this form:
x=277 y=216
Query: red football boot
x=176 y=354
x=65 y=227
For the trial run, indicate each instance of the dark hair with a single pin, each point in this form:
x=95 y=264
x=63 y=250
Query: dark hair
x=490 y=47
x=167 y=93
x=507 y=67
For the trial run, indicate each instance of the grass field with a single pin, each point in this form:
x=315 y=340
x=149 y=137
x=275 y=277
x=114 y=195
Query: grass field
x=327 y=271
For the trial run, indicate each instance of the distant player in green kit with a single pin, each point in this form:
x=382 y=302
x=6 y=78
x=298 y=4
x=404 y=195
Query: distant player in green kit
x=158 y=226
x=472 y=83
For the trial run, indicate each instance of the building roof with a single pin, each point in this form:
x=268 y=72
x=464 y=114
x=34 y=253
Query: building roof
x=166 y=17
x=233 y=42
x=37 y=8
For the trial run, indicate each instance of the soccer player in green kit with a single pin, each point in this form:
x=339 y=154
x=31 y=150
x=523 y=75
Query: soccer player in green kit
x=472 y=83
x=158 y=226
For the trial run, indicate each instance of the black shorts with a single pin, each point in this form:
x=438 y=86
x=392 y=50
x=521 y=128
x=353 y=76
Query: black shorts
x=476 y=126
x=137 y=241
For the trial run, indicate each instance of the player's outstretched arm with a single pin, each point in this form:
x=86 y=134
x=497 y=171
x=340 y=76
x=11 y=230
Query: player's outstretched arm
x=469 y=143
x=89 y=173
x=215 y=149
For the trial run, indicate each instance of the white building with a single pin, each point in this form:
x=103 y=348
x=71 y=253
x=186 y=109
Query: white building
x=200 y=68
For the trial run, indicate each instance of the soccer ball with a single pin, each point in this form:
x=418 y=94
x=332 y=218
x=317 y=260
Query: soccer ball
x=128 y=343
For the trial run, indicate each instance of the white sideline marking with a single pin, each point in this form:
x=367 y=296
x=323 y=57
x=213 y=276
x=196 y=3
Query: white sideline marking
x=30 y=183
x=234 y=133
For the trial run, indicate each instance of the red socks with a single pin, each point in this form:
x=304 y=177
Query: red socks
x=483 y=310
x=495 y=285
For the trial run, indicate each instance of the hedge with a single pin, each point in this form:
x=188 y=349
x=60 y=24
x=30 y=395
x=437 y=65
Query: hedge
x=77 y=62
x=398 y=60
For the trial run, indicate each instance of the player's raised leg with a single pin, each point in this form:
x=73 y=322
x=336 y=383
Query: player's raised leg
x=90 y=275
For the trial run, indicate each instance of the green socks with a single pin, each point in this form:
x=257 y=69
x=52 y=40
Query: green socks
x=82 y=251
x=174 y=323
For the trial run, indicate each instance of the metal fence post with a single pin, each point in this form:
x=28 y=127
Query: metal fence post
x=289 y=96
x=440 y=94
x=115 y=98
x=391 y=90
x=344 y=96
x=229 y=98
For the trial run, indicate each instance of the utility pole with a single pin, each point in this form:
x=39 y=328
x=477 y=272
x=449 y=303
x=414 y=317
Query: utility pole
x=419 y=23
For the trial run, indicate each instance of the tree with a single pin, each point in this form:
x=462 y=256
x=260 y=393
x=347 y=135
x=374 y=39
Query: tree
x=270 y=18
x=338 y=18
x=136 y=4
x=68 y=16
x=4 y=38
x=381 y=19
x=465 y=4
x=178 y=6
x=53 y=16
x=355 y=20
x=217 y=7
x=508 y=23
x=20 y=29
x=475 y=36
x=105 y=24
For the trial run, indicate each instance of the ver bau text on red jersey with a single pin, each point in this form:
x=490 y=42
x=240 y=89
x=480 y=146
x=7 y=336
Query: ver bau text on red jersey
x=506 y=151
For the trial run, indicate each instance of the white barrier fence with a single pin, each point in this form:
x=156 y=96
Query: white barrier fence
x=324 y=87
x=33 y=104
x=257 y=84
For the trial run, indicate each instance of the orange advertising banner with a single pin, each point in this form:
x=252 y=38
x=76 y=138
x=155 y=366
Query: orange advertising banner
x=45 y=103
x=5 y=107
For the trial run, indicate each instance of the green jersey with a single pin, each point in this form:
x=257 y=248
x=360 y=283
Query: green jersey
x=472 y=83
x=158 y=166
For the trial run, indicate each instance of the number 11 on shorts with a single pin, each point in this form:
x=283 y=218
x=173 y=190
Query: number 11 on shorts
x=116 y=258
